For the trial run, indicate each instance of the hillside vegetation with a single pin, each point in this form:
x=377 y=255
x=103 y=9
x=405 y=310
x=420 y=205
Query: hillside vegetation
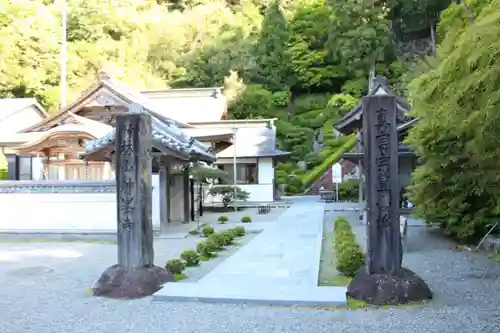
x=304 y=62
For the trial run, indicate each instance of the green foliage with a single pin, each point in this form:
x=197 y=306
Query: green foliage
x=360 y=33
x=310 y=178
x=349 y=190
x=191 y=257
x=4 y=167
x=175 y=266
x=273 y=62
x=218 y=239
x=270 y=53
x=206 y=248
x=223 y=219
x=207 y=230
x=311 y=64
x=228 y=236
x=207 y=174
x=246 y=219
x=348 y=254
x=229 y=193
x=239 y=231
x=457 y=137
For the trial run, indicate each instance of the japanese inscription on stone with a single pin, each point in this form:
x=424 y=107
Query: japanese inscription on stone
x=381 y=165
x=382 y=134
x=133 y=190
x=127 y=189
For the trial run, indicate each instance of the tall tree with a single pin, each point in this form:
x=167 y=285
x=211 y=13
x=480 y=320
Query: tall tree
x=270 y=52
x=360 y=33
x=457 y=137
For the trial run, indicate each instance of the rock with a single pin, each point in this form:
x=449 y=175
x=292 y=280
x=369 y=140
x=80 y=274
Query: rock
x=382 y=289
x=126 y=283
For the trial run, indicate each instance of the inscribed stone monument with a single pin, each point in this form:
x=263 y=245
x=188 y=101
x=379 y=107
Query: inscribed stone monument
x=383 y=280
x=135 y=274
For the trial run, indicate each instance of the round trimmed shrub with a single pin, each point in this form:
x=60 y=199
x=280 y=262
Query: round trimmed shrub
x=350 y=259
x=191 y=257
x=200 y=247
x=175 y=266
x=223 y=219
x=209 y=248
x=207 y=230
x=228 y=236
x=246 y=219
x=239 y=231
x=218 y=240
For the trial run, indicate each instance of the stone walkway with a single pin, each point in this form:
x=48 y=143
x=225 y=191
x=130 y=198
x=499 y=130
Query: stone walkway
x=280 y=266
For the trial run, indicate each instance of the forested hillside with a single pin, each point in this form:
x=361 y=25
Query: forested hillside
x=458 y=98
x=302 y=61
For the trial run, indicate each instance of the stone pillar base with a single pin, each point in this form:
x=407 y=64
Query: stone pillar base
x=119 y=282
x=404 y=286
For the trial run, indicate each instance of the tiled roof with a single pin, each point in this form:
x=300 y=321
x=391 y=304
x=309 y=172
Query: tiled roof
x=167 y=135
x=9 y=106
x=254 y=142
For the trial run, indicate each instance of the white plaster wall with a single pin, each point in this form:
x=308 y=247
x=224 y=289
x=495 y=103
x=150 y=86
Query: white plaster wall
x=266 y=171
x=65 y=211
x=58 y=211
x=261 y=192
x=155 y=182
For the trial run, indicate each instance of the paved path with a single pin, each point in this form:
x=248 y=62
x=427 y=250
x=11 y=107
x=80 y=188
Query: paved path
x=279 y=266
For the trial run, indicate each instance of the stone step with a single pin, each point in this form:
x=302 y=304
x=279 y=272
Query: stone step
x=270 y=295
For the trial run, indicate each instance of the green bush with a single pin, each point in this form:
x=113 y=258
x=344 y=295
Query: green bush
x=349 y=190
x=228 y=237
x=239 y=231
x=210 y=247
x=223 y=219
x=349 y=256
x=191 y=257
x=206 y=248
x=312 y=176
x=4 y=167
x=246 y=219
x=218 y=239
x=207 y=230
x=175 y=266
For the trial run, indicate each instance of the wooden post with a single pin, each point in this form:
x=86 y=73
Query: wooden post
x=135 y=274
x=185 y=194
x=134 y=191
x=164 y=191
x=383 y=280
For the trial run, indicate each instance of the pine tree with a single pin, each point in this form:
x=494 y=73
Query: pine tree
x=270 y=52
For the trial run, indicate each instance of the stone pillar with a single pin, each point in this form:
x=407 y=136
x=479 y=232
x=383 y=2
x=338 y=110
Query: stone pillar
x=164 y=191
x=383 y=280
x=381 y=159
x=186 y=195
x=135 y=274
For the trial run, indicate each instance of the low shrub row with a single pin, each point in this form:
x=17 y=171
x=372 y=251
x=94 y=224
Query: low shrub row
x=204 y=250
x=223 y=219
x=349 y=256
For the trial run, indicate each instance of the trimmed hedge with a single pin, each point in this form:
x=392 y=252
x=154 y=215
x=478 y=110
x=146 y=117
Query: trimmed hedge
x=317 y=172
x=349 y=256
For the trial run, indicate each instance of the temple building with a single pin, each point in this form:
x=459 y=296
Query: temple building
x=352 y=122
x=189 y=125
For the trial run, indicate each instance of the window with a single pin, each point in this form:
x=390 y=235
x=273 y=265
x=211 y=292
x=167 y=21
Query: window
x=246 y=173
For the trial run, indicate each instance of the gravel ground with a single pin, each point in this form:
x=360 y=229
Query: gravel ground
x=37 y=301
